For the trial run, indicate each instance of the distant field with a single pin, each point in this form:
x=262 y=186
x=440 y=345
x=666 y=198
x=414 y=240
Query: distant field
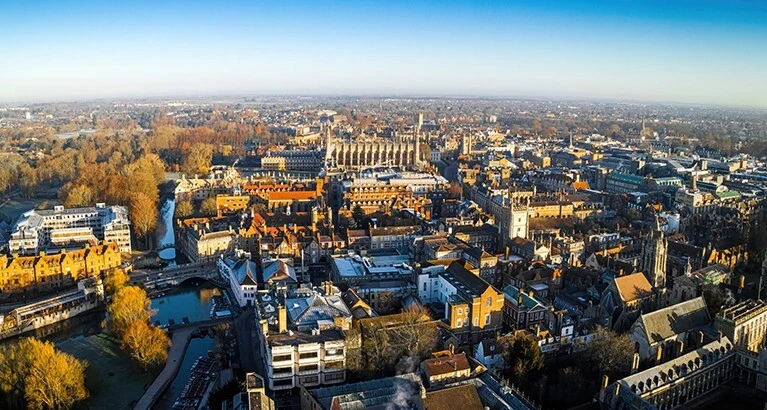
x=114 y=382
x=17 y=206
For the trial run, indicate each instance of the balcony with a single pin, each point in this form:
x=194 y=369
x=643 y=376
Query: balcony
x=333 y=366
x=308 y=370
x=281 y=361
x=281 y=372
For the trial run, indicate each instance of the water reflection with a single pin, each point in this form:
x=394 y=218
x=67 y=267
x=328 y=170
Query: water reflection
x=197 y=347
x=191 y=299
x=165 y=231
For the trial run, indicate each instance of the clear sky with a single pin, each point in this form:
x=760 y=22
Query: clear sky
x=667 y=50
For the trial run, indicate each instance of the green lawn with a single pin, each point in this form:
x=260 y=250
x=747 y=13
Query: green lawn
x=113 y=381
x=17 y=206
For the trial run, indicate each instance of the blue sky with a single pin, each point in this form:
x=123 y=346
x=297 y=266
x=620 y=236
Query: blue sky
x=684 y=51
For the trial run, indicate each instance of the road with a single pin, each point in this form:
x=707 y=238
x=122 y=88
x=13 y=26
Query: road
x=247 y=342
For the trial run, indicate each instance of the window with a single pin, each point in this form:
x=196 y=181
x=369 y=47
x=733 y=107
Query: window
x=489 y=301
x=424 y=286
x=458 y=322
x=476 y=321
x=460 y=311
x=487 y=318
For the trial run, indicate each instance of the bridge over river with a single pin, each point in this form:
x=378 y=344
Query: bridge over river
x=175 y=275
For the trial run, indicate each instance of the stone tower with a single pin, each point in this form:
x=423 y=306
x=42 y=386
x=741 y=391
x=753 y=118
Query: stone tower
x=417 y=138
x=518 y=218
x=654 y=256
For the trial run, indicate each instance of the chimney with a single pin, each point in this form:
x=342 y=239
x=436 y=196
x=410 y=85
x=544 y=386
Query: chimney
x=659 y=355
x=635 y=363
x=605 y=381
x=742 y=281
x=282 y=318
x=680 y=347
x=264 y=326
x=719 y=336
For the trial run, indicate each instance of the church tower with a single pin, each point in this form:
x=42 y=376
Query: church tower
x=654 y=256
x=417 y=138
x=328 y=157
x=518 y=218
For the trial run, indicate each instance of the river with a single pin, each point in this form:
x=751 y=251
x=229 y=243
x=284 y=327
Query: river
x=113 y=380
x=164 y=231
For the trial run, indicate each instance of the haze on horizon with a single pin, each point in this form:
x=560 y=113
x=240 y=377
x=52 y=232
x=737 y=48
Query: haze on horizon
x=707 y=52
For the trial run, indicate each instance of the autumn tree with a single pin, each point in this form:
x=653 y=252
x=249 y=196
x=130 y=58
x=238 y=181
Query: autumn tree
x=79 y=196
x=197 y=158
x=146 y=344
x=130 y=304
x=115 y=281
x=611 y=353
x=184 y=209
x=143 y=214
x=34 y=375
x=209 y=207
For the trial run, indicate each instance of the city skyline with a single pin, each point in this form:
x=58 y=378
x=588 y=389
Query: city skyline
x=709 y=52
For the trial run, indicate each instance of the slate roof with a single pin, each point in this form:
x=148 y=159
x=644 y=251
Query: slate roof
x=278 y=270
x=245 y=272
x=306 y=311
x=472 y=283
x=675 y=319
x=372 y=394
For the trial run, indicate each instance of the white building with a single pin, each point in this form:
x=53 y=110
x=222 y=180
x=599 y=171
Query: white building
x=302 y=337
x=241 y=274
x=37 y=229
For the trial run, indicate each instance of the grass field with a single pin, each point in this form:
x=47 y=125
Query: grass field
x=112 y=380
x=17 y=206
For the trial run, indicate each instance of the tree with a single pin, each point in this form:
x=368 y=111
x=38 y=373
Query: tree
x=611 y=353
x=197 y=159
x=143 y=214
x=417 y=334
x=78 y=196
x=147 y=345
x=115 y=281
x=358 y=215
x=714 y=297
x=388 y=302
x=523 y=359
x=184 y=209
x=130 y=304
x=209 y=207
x=37 y=376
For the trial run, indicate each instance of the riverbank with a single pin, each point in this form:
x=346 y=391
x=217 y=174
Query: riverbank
x=112 y=379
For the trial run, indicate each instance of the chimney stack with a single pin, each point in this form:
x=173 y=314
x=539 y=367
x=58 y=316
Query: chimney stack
x=264 y=326
x=635 y=363
x=282 y=319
